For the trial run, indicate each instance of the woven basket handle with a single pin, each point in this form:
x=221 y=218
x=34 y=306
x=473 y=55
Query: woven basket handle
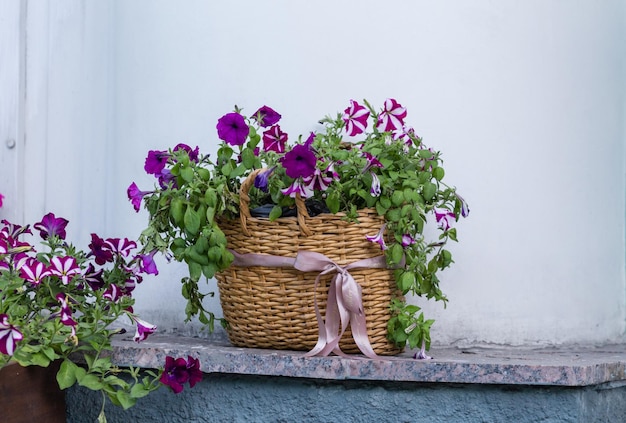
x=244 y=206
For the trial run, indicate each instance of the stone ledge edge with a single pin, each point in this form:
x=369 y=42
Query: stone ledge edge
x=559 y=366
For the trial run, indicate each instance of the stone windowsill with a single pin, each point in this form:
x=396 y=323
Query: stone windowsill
x=555 y=366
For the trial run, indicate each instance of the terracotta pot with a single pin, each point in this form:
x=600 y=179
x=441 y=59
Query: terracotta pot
x=31 y=394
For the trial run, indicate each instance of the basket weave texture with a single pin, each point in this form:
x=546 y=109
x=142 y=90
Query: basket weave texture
x=274 y=307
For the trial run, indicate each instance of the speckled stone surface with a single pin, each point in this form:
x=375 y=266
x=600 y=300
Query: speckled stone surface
x=558 y=366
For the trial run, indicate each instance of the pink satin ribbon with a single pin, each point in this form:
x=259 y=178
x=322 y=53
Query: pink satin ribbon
x=344 y=306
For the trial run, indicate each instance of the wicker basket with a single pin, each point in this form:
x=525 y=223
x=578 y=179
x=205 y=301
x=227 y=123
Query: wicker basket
x=273 y=307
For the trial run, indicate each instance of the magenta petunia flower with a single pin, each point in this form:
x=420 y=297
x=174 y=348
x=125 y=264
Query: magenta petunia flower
x=232 y=129
x=175 y=373
x=299 y=162
x=274 y=139
x=9 y=336
x=355 y=118
x=1 y=199
x=193 y=369
x=444 y=218
x=51 y=225
x=143 y=329
x=135 y=195
x=392 y=116
x=266 y=116
x=156 y=161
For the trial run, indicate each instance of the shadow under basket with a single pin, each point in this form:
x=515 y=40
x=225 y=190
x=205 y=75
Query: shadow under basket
x=274 y=307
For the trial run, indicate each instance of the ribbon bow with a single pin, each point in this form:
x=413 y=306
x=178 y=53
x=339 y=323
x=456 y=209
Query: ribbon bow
x=344 y=306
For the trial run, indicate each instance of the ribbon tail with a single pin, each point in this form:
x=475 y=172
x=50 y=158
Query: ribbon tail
x=359 y=333
x=321 y=327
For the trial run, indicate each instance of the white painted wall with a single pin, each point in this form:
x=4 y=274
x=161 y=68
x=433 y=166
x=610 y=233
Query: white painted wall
x=527 y=101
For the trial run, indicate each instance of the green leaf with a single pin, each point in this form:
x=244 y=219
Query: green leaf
x=91 y=381
x=397 y=198
x=187 y=174
x=438 y=173
x=125 y=399
x=276 y=212
x=177 y=210
x=192 y=221
x=66 y=376
x=248 y=158
x=428 y=191
x=195 y=271
x=397 y=253
x=406 y=282
x=333 y=203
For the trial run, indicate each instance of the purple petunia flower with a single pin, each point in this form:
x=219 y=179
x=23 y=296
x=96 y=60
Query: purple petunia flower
x=1 y=199
x=147 y=264
x=232 y=129
x=379 y=237
x=355 y=118
x=51 y=225
x=135 y=195
x=300 y=162
x=266 y=116
x=262 y=179
x=193 y=154
x=9 y=335
x=156 y=161
x=175 y=373
x=193 y=368
x=100 y=250
x=274 y=139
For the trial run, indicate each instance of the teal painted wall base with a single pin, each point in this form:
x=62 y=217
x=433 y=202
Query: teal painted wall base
x=242 y=398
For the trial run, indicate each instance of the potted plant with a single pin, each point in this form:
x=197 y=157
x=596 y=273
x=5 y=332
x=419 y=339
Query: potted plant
x=58 y=306
x=361 y=159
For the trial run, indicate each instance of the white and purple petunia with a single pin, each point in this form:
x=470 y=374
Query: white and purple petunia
x=64 y=267
x=445 y=218
x=355 y=118
x=392 y=116
x=9 y=335
x=143 y=329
